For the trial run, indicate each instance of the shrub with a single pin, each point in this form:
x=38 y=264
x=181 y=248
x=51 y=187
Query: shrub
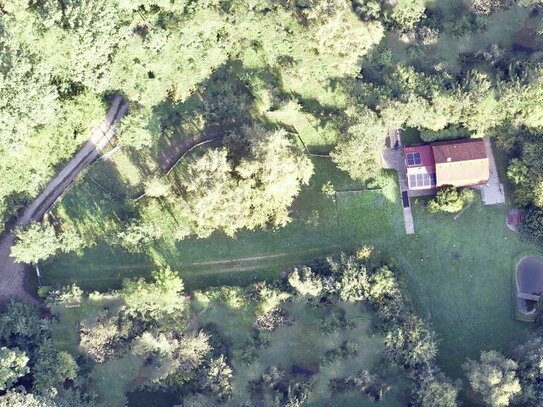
x=407 y=13
x=486 y=7
x=305 y=282
x=532 y=226
x=448 y=133
x=451 y=200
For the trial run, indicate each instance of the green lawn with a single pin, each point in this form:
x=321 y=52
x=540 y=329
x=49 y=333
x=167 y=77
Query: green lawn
x=458 y=271
x=314 y=232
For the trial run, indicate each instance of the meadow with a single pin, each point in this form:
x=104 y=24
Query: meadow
x=458 y=271
x=301 y=349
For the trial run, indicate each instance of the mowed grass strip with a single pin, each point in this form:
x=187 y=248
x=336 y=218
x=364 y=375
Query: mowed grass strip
x=314 y=232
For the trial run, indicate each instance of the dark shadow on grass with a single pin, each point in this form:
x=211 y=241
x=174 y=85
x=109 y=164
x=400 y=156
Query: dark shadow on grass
x=101 y=268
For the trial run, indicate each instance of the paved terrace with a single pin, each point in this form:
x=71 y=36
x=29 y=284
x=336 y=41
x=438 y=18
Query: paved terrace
x=492 y=193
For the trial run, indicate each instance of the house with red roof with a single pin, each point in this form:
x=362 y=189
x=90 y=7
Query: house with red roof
x=458 y=163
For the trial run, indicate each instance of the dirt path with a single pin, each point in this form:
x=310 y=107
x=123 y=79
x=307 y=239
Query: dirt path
x=12 y=274
x=170 y=156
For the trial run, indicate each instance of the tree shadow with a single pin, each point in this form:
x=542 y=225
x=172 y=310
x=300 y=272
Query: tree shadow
x=97 y=202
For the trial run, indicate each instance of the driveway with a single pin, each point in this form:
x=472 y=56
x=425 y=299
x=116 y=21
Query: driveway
x=11 y=273
x=492 y=193
x=393 y=160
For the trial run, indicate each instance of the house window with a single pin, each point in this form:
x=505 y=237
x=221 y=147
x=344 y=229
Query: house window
x=413 y=158
x=424 y=181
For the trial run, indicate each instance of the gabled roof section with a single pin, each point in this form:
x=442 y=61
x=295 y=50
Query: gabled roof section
x=462 y=173
x=461 y=163
x=426 y=156
x=459 y=150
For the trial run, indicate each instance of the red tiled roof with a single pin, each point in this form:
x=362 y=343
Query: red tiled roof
x=426 y=155
x=459 y=150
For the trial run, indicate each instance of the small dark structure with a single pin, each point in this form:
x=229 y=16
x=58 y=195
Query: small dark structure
x=514 y=219
x=529 y=277
x=405 y=199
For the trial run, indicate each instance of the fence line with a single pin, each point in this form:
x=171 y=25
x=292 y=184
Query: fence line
x=168 y=172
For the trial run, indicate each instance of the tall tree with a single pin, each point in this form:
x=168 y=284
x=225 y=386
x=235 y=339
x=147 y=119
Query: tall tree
x=13 y=365
x=252 y=190
x=52 y=368
x=156 y=299
x=35 y=242
x=494 y=378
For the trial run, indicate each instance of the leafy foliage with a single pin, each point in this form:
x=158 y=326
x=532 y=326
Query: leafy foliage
x=52 y=368
x=158 y=299
x=36 y=242
x=436 y=390
x=219 y=378
x=136 y=236
x=305 y=282
x=407 y=13
x=252 y=192
x=529 y=357
x=13 y=365
x=494 y=378
x=451 y=200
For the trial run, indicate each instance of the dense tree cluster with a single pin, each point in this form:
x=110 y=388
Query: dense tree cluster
x=251 y=190
x=494 y=378
x=55 y=76
x=28 y=355
x=356 y=68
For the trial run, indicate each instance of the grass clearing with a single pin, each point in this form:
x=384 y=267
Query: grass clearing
x=501 y=28
x=458 y=271
x=113 y=378
x=314 y=232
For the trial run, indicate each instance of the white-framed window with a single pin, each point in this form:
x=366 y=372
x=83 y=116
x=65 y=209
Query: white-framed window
x=422 y=180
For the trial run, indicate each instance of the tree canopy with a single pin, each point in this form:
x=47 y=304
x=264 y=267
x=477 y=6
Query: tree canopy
x=249 y=184
x=494 y=378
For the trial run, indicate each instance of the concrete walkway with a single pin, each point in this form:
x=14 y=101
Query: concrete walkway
x=492 y=193
x=393 y=160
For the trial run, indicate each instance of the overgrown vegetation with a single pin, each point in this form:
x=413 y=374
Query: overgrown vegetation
x=451 y=200
x=203 y=347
